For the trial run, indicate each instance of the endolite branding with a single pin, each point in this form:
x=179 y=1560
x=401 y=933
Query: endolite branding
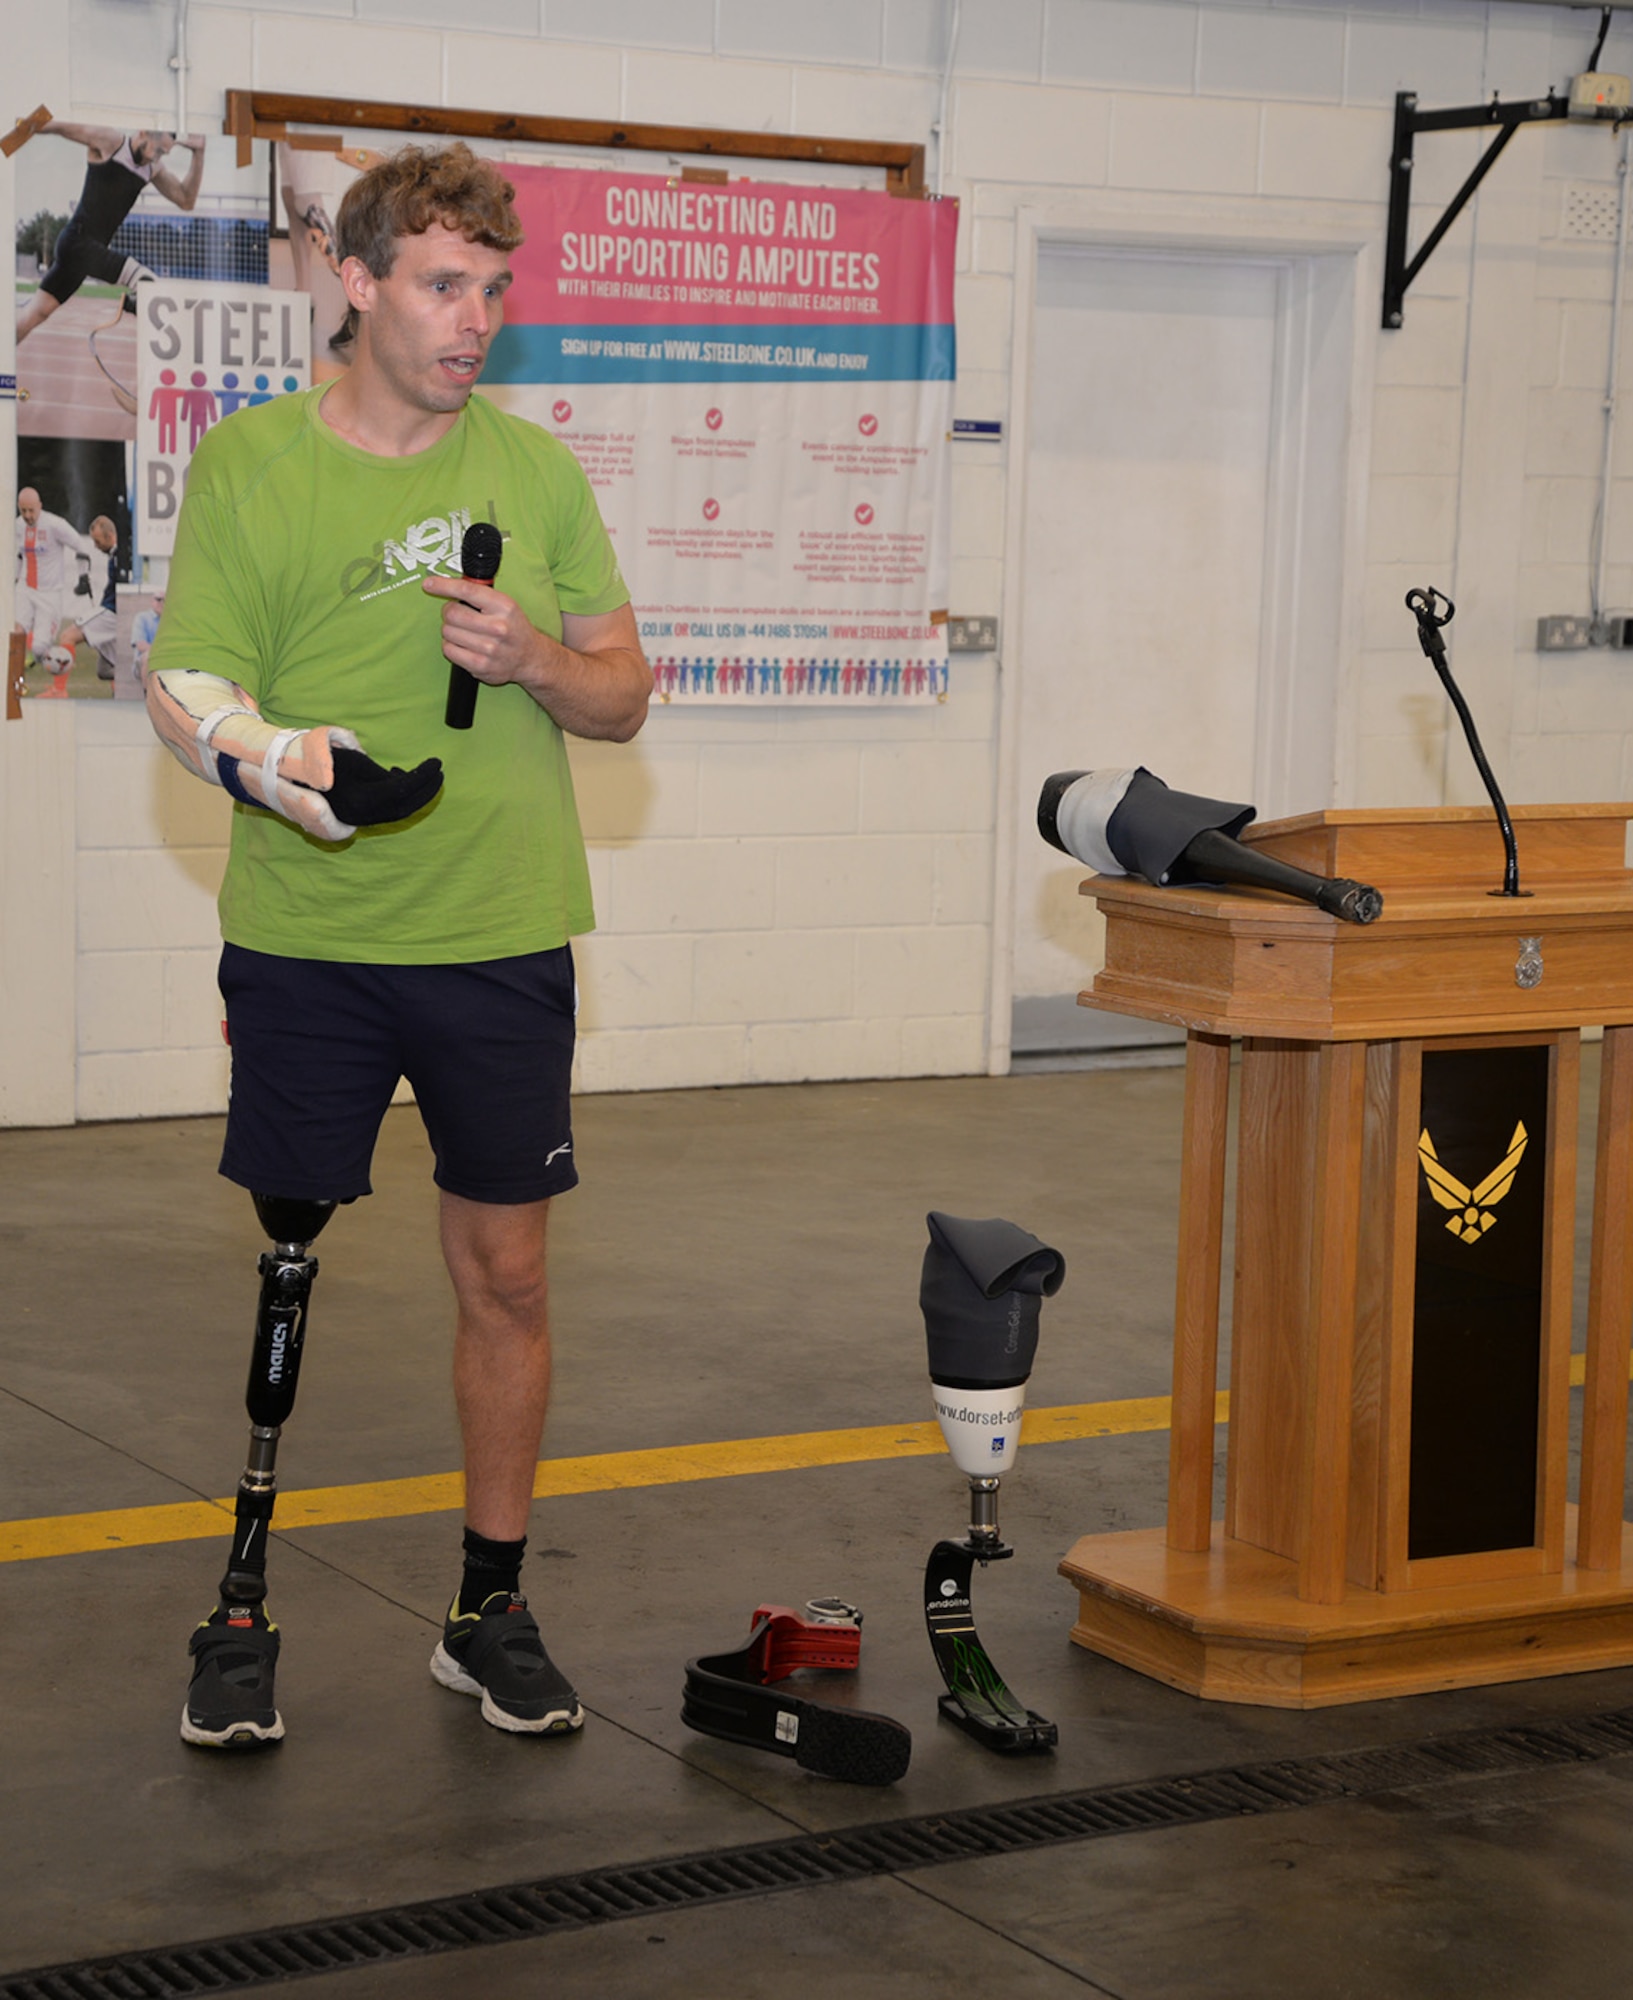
x=284 y=1336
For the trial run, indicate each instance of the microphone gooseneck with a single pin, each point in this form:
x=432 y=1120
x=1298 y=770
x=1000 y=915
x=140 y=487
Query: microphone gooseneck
x=1422 y=605
x=479 y=555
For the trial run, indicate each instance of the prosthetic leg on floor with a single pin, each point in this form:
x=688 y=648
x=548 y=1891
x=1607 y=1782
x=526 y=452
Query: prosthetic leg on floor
x=981 y=1295
x=230 y=1702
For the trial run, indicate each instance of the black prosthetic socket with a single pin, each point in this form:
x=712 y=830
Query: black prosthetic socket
x=280 y=1331
x=365 y=793
x=489 y=1567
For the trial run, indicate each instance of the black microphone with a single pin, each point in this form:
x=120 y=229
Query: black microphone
x=1130 y=823
x=479 y=555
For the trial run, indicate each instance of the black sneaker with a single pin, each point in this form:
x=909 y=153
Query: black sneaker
x=497 y=1653
x=229 y=1702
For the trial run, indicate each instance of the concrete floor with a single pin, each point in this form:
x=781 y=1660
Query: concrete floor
x=737 y=1264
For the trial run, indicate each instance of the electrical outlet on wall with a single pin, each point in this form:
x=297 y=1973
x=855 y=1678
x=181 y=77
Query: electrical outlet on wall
x=1564 y=633
x=972 y=635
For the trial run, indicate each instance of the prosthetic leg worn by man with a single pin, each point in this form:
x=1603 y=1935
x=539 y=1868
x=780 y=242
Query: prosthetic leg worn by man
x=387 y=912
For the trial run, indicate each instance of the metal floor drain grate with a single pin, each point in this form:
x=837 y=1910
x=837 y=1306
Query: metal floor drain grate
x=608 y=1895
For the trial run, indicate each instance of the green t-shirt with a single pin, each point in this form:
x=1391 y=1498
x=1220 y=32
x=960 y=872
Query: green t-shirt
x=297 y=574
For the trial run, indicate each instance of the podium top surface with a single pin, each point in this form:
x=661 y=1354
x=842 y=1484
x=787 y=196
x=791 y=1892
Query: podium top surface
x=1454 y=847
x=1447 y=956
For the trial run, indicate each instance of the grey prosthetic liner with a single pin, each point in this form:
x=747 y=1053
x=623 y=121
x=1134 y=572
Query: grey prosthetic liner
x=1130 y=823
x=274 y=1371
x=982 y=1292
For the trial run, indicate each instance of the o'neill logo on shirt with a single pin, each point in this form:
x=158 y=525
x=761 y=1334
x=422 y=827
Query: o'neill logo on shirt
x=426 y=548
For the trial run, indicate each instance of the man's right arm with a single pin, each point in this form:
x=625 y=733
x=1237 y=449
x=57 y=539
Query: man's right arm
x=100 y=141
x=215 y=652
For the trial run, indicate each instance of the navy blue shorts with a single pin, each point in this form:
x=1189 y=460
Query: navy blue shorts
x=318 y=1048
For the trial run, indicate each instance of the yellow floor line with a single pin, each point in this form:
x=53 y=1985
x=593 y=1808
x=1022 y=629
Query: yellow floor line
x=607 y=1472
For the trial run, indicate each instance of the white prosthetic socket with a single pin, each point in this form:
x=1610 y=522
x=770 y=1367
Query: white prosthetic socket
x=213 y=728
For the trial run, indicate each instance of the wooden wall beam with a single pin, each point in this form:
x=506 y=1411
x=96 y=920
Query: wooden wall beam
x=267 y=114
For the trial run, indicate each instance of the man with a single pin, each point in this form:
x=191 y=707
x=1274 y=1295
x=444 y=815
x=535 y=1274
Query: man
x=99 y=628
x=116 y=171
x=433 y=941
x=45 y=541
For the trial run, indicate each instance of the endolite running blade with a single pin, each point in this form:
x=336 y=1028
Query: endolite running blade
x=978 y=1699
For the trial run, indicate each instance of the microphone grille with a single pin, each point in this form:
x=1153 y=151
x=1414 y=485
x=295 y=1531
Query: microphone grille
x=480 y=551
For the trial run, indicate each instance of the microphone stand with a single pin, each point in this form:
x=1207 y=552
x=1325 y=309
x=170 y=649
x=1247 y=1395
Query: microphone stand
x=1421 y=604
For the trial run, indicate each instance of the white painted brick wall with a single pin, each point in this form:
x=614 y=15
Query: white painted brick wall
x=1122 y=44
x=1195 y=146
x=501 y=16
x=1021 y=132
x=849 y=31
x=653 y=24
x=1271 y=52
x=807 y=895
x=746 y=96
x=542 y=79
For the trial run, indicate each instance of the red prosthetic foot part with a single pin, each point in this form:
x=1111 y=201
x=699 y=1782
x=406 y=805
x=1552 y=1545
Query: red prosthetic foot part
x=791 y=1640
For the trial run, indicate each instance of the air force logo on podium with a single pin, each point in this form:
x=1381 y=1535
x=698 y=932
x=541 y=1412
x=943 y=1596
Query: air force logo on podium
x=1471 y=1216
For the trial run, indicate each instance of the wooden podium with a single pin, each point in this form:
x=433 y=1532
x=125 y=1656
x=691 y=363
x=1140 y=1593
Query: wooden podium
x=1400 y=1369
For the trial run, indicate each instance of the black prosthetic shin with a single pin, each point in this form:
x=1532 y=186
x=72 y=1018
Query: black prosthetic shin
x=280 y=1330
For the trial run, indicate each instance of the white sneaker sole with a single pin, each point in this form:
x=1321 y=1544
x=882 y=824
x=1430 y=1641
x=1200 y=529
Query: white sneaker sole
x=448 y=1673
x=241 y=1735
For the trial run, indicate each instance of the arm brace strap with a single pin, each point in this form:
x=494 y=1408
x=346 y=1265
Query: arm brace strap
x=213 y=728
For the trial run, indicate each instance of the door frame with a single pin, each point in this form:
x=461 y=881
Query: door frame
x=1326 y=354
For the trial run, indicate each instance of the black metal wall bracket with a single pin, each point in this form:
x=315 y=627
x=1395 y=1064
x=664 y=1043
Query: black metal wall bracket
x=1409 y=122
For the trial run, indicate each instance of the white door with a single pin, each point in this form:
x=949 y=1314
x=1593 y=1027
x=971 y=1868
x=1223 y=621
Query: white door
x=1146 y=488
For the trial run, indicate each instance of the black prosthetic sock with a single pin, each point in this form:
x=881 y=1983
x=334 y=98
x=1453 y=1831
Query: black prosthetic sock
x=489 y=1567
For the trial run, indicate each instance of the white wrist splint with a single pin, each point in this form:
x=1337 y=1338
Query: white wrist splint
x=213 y=727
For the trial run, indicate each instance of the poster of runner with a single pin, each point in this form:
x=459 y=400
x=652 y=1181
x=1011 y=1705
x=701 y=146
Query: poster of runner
x=757 y=378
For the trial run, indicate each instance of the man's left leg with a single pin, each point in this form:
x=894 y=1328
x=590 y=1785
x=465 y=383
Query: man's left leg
x=495 y=1253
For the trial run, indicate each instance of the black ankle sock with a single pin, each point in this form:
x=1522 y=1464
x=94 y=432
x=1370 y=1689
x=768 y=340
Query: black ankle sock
x=489 y=1566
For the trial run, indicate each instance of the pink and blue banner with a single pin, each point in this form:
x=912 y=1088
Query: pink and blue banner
x=757 y=379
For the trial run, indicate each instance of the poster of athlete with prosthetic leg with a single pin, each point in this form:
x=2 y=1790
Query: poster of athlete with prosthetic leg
x=400 y=895
x=118 y=167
